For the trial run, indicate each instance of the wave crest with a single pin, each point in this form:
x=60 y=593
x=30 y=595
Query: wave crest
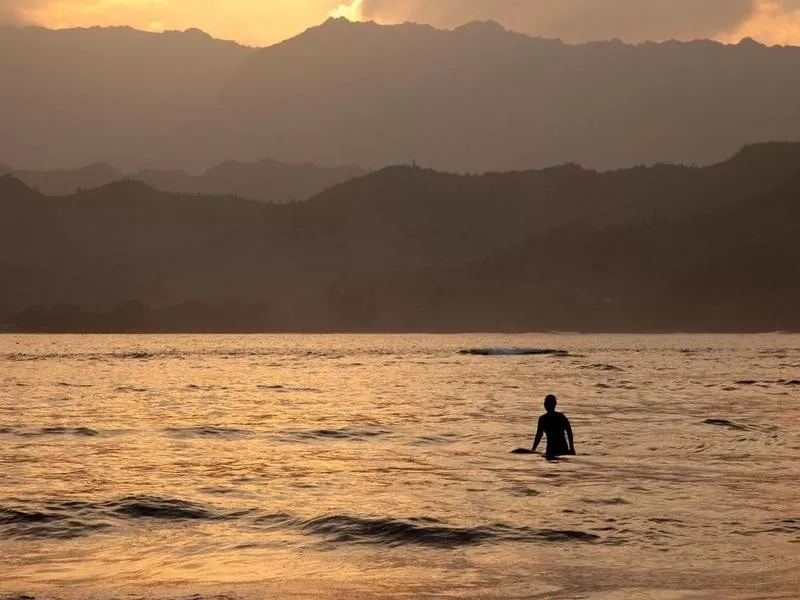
x=75 y=518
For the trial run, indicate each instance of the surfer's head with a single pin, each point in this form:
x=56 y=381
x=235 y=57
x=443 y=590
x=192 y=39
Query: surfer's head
x=550 y=402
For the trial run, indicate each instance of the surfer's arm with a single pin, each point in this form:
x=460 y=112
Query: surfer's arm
x=568 y=428
x=539 y=433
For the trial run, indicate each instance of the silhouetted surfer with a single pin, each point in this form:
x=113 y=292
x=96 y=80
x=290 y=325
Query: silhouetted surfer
x=555 y=426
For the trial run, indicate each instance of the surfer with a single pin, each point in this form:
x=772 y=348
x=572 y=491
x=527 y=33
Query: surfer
x=556 y=427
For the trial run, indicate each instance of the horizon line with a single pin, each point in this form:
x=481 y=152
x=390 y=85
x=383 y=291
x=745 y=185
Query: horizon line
x=349 y=22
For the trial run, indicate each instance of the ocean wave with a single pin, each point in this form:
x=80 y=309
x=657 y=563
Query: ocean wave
x=285 y=389
x=606 y=501
x=445 y=438
x=726 y=423
x=768 y=382
x=601 y=367
x=420 y=531
x=394 y=532
x=46 y=431
x=788 y=526
x=74 y=518
x=155 y=507
x=345 y=433
x=53 y=522
x=183 y=353
x=130 y=388
x=137 y=355
x=207 y=431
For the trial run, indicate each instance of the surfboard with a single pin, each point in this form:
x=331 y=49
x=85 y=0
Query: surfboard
x=544 y=456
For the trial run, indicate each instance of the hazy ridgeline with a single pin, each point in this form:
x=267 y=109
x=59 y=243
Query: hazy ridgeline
x=404 y=248
x=267 y=180
x=472 y=99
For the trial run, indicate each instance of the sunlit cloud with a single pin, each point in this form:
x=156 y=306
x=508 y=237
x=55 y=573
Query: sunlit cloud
x=15 y=12
x=575 y=21
x=772 y=22
x=351 y=12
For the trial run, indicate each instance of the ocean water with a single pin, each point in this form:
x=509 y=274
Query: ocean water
x=338 y=466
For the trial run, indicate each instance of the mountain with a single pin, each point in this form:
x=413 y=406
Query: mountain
x=66 y=181
x=735 y=269
x=80 y=96
x=482 y=98
x=267 y=180
x=405 y=248
x=475 y=99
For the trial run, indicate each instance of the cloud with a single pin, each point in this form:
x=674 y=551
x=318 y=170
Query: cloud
x=772 y=22
x=353 y=11
x=576 y=20
x=12 y=12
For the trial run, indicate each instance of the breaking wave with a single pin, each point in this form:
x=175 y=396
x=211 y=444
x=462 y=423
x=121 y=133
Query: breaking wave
x=73 y=518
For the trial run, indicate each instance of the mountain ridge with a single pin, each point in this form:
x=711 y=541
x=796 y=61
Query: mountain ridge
x=267 y=180
x=405 y=248
x=473 y=99
x=457 y=103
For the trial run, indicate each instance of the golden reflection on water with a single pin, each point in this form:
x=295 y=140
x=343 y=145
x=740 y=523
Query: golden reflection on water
x=250 y=440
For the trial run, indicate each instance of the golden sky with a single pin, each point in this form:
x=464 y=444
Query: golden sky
x=771 y=23
x=253 y=22
x=263 y=22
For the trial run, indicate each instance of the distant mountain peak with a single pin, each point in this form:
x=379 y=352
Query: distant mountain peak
x=483 y=27
x=11 y=187
x=751 y=43
x=336 y=22
x=767 y=151
x=339 y=25
x=125 y=187
x=195 y=32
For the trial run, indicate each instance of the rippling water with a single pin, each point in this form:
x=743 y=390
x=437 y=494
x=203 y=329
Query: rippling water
x=380 y=467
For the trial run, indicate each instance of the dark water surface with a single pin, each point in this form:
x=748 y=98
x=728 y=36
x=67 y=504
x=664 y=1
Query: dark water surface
x=380 y=467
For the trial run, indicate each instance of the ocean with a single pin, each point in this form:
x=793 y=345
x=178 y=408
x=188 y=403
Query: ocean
x=380 y=466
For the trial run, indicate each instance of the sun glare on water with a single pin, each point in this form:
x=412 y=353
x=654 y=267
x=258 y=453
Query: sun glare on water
x=351 y=12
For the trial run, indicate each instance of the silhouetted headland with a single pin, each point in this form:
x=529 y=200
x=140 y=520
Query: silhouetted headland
x=664 y=248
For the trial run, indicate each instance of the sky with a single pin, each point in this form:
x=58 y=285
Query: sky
x=264 y=22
